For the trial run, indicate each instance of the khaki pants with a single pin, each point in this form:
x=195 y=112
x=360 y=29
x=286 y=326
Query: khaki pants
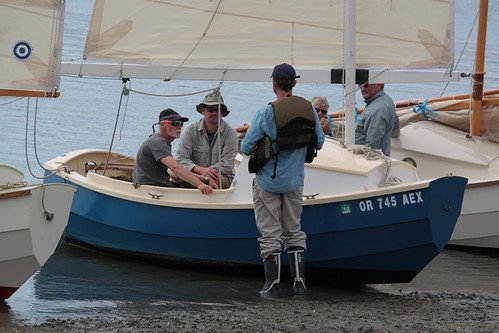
x=277 y=218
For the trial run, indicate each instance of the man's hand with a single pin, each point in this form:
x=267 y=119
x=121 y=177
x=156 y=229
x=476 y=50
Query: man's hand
x=205 y=189
x=325 y=125
x=211 y=173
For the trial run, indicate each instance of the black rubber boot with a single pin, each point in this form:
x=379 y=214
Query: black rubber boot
x=272 y=267
x=297 y=265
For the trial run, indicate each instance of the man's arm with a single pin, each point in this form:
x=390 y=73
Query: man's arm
x=186 y=175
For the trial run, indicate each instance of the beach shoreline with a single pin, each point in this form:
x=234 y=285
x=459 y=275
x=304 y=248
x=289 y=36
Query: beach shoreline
x=407 y=311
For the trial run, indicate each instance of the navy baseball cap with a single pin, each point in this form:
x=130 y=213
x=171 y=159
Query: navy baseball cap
x=284 y=72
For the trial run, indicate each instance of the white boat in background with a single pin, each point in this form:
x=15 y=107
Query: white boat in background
x=32 y=216
x=33 y=220
x=368 y=218
x=460 y=134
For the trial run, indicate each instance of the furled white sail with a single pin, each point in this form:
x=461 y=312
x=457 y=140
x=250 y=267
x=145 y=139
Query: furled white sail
x=30 y=47
x=221 y=36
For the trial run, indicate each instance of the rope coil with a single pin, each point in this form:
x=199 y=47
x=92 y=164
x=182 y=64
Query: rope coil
x=376 y=154
x=10 y=185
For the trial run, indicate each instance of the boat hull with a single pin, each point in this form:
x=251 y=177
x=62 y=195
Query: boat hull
x=437 y=149
x=392 y=236
x=27 y=237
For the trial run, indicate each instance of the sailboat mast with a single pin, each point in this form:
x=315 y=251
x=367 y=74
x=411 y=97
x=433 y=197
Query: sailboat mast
x=476 y=106
x=350 y=67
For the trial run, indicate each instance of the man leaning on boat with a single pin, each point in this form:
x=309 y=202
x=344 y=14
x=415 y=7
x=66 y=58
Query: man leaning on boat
x=278 y=187
x=206 y=148
x=154 y=157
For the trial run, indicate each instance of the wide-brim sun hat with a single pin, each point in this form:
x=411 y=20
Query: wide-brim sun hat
x=211 y=99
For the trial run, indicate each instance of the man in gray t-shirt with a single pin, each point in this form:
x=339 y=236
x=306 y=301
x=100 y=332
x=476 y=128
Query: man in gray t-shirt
x=154 y=157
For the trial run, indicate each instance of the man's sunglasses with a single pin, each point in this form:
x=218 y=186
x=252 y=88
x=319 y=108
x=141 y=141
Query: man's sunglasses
x=174 y=123
x=364 y=85
x=211 y=109
x=324 y=112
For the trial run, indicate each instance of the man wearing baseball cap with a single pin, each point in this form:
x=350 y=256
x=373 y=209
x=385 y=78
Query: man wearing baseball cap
x=154 y=157
x=278 y=185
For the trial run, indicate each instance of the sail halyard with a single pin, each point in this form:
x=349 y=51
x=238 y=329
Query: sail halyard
x=478 y=76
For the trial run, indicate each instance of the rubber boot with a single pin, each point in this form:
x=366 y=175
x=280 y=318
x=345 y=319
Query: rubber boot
x=297 y=265
x=272 y=267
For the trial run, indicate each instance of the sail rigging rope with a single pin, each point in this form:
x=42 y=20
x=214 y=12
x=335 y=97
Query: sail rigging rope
x=124 y=92
x=203 y=35
x=12 y=101
x=52 y=172
x=175 y=95
x=376 y=154
x=465 y=46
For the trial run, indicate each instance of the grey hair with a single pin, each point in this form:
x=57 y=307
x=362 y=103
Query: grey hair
x=321 y=100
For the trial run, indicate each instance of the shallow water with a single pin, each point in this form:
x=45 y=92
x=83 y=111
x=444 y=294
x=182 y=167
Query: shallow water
x=77 y=283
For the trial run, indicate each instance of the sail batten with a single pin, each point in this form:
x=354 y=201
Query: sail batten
x=261 y=33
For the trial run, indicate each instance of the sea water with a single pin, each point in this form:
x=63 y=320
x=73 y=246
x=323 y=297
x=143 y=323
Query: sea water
x=79 y=283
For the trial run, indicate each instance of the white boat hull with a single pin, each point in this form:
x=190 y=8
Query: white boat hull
x=438 y=149
x=27 y=237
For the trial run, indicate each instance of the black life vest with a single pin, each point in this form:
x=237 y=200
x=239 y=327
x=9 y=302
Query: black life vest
x=295 y=124
x=294 y=121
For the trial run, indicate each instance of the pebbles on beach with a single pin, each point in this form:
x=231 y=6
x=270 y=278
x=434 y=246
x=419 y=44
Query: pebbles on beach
x=380 y=312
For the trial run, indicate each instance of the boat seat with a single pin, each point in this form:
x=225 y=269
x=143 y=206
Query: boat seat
x=110 y=166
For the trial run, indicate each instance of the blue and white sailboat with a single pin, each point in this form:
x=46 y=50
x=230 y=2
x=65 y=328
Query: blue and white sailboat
x=368 y=220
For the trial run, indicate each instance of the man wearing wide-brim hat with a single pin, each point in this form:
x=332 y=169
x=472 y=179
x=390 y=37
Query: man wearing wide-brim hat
x=208 y=147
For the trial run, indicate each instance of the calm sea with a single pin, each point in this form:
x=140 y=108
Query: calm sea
x=79 y=283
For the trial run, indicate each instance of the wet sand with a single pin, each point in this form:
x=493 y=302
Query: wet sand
x=81 y=291
x=357 y=311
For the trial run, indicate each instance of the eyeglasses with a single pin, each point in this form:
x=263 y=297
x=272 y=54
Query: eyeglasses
x=324 y=112
x=174 y=123
x=211 y=109
x=365 y=85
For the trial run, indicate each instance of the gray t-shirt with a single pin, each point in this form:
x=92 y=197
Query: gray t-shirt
x=148 y=168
